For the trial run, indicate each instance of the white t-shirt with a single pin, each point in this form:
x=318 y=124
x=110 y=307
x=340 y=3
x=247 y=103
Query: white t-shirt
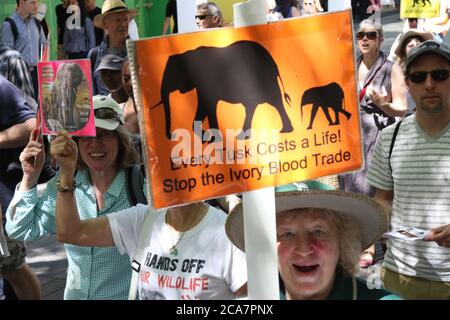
x=207 y=266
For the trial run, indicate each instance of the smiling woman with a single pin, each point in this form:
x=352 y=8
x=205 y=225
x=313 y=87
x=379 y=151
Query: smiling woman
x=320 y=236
x=100 y=187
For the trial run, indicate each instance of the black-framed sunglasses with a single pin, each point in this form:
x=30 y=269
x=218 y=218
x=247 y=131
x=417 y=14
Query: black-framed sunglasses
x=107 y=114
x=437 y=75
x=203 y=16
x=371 y=35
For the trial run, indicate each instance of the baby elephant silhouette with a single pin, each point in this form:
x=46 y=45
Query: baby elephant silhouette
x=328 y=96
x=243 y=72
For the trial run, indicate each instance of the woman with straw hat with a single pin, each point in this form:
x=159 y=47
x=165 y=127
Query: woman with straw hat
x=320 y=235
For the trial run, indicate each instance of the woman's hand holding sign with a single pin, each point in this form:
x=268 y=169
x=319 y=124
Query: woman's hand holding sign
x=65 y=151
x=32 y=160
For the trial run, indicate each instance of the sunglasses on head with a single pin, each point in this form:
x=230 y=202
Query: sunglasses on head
x=203 y=16
x=371 y=35
x=107 y=114
x=436 y=75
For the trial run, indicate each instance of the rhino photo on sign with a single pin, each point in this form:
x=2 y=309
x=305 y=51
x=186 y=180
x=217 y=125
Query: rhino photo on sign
x=66 y=105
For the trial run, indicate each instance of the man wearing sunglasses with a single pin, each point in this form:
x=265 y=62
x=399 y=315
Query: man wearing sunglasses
x=208 y=16
x=382 y=97
x=412 y=179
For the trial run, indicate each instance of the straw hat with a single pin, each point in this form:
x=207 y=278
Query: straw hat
x=370 y=218
x=112 y=6
x=400 y=50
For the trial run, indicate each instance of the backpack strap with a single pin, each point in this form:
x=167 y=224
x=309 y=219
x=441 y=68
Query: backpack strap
x=394 y=136
x=13 y=26
x=38 y=24
x=14 y=29
x=135 y=184
x=93 y=57
x=138 y=255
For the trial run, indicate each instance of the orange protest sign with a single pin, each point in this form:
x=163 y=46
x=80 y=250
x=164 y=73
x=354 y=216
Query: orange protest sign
x=232 y=110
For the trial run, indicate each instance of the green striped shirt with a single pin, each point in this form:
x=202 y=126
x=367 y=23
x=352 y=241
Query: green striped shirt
x=420 y=179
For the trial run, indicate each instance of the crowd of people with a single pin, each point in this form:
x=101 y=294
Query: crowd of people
x=83 y=195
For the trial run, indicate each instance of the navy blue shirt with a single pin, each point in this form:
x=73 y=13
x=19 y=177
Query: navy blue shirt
x=14 y=109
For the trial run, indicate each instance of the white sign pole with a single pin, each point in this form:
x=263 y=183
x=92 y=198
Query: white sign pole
x=259 y=206
x=339 y=5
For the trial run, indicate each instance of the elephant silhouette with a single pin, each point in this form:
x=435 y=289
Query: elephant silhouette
x=243 y=72
x=424 y=2
x=328 y=96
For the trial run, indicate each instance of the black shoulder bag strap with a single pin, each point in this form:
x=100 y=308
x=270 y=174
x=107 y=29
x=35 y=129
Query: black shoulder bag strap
x=394 y=136
x=135 y=183
x=14 y=30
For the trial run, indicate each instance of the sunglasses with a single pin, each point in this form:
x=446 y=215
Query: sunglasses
x=107 y=114
x=203 y=16
x=437 y=75
x=371 y=35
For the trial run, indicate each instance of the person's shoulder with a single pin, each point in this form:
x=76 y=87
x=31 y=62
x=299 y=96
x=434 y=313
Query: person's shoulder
x=8 y=89
x=388 y=132
x=16 y=17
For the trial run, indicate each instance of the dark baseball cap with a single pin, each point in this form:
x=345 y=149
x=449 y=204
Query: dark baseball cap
x=110 y=62
x=426 y=47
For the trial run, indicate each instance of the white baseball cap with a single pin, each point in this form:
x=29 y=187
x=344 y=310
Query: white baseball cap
x=108 y=114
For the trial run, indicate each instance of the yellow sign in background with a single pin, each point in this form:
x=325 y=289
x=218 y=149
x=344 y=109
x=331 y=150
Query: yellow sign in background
x=314 y=63
x=419 y=8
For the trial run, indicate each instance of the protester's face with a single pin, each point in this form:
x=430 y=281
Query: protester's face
x=29 y=6
x=126 y=79
x=413 y=42
x=308 y=253
x=112 y=79
x=309 y=7
x=74 y=2
x=90 y=3
x=204 y=20
x=117 y=24
x=369 y=44
x=412 y=23
x=100 y=153
x=431 y=96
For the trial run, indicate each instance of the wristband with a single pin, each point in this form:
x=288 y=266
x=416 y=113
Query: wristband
x=66 y=188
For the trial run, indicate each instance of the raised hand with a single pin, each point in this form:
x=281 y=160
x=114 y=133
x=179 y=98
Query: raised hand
x=32 y=160
x=65 y=151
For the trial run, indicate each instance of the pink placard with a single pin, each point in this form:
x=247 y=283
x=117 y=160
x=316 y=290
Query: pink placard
x=66 y=97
